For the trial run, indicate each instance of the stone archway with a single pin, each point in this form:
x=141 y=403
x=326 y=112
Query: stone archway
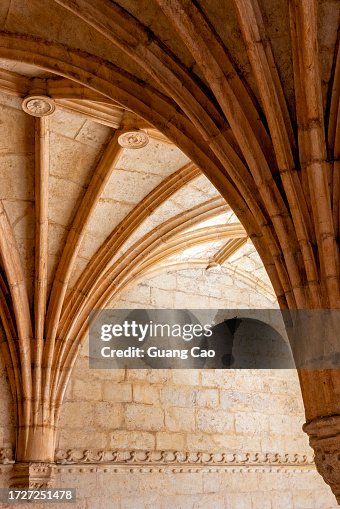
x=280 y=178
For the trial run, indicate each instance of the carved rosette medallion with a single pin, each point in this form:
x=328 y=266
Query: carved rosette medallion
x=38 y=105
x=133 y=139
x=324 y=438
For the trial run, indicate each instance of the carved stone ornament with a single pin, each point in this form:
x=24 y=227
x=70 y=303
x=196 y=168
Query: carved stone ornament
x=38 y=105
x=32 y=475
x=161 y=458
x=324 y=438
x=133 y=139
x=35 y=475
x=6 y=456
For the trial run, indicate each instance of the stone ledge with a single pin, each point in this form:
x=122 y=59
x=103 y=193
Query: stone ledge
x=181 y=458
x=143 y=461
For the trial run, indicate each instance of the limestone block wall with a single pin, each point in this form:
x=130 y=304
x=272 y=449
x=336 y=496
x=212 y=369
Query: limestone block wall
x=247 y=412
x=195 y=410
x=100 y=489
x=187 y=410
x=254 y=414
x=198 y=288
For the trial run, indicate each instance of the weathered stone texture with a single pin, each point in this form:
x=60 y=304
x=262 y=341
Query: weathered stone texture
x=187 y=411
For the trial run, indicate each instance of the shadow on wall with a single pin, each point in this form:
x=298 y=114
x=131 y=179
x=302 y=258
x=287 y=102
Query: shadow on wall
x=189 y=339
x=248 y=343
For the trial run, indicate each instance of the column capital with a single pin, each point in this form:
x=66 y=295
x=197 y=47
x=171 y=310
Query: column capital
x=324 y=438
x=32 y=475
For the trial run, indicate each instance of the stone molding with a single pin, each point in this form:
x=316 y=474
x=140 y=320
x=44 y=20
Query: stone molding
x=183 y=461
x=143 y=461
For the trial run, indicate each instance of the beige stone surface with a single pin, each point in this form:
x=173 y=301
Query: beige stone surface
x=230 y=135
x=192 y=491
x=226 y=290
x=194 y=410
x=7 y=415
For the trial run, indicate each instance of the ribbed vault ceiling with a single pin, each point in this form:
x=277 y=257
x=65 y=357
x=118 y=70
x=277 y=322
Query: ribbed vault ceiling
x=248 y=90
x=83 y=217
x=155 y=205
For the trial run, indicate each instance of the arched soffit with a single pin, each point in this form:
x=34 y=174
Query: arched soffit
x=100 y=174
x=110 y=277
x=286 y=206
x=142 y=257
x=106 y=79
x=246 y=277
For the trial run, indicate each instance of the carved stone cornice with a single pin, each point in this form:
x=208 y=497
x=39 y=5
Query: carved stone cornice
x=181 y=461
x=13 y=84
x=71 y=96
x=105 y=114
x=41 y=474
x=324 y=438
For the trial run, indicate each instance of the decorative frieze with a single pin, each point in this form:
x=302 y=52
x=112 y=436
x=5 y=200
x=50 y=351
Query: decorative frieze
x=178 y=459
x=36 y=475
